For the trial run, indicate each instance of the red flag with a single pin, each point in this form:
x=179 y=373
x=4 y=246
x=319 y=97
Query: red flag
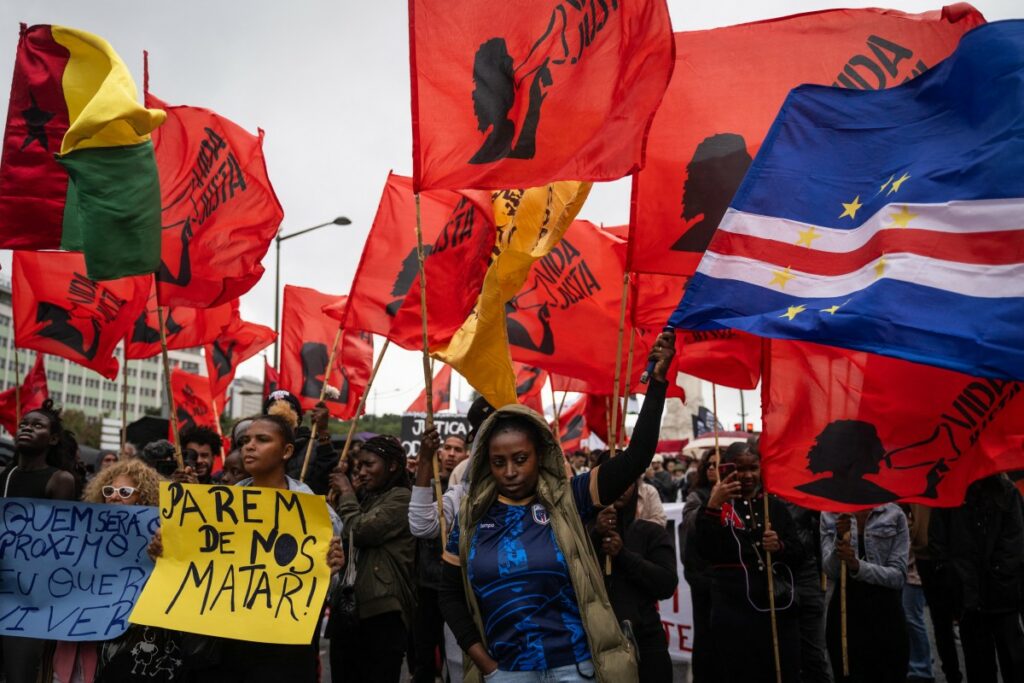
x=239 y=342
x=33 y=391
x=529 y=385
x=193 y=403
x=389 y=266
x=717 y=110
x=455 y=267
x=845 y=430
x=726 y=357
x=572 y=425
x=307 y=336
x=58 y=310
x=598 y=414
x=521 y=94
x=185 y=327
x=270 y=379
x=576 y=287
x=442 y=390
x=220 y=212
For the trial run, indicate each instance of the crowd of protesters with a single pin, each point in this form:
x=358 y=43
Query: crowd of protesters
x=552 y=566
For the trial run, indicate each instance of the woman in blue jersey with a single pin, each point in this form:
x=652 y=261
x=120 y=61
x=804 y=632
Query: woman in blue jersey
x=522 y=590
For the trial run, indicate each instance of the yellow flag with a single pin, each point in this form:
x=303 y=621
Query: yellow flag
x=530 y=223
x=103 y=106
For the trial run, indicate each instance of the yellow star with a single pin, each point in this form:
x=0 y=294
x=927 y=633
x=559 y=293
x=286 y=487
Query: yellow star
x=793 y=311
x=831 y=310
x=903 y=218
x=781 y=277
x=880 y=267
x=897 y=183
x=807 y=236
x=886 y=183
x=851 y=208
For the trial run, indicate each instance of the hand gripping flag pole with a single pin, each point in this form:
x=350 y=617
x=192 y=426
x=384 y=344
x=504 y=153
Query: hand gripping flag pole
x=323 y=393
x=362 y=403
x=428 y=377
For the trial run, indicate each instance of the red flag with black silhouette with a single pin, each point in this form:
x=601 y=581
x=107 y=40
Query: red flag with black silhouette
x=307 y=337
x=31 y=393
x=525 y=93
x=717 y=110
x=270 y=379
x=220 y=212
x=529 y=385
x=239 y=342
x=58 y=310
x=389 y=267
x=442 y=392
x=184 y=327
x=572 y=425
x=193 y=403
x=846 y=431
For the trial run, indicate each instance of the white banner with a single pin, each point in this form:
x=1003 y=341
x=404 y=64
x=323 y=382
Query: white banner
x=677 y=611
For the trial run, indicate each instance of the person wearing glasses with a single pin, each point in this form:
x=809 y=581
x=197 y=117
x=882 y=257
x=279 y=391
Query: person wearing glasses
x=142 y=653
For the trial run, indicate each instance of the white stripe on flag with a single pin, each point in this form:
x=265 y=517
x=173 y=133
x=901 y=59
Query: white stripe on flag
x=984 y=281
x=981 y=215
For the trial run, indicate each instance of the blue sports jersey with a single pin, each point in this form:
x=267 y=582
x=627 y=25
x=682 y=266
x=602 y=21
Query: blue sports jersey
x=522 y=584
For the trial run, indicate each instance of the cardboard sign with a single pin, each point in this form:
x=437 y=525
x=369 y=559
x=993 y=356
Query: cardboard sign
x=239 y=562
x=71 y=571
x=414 y=424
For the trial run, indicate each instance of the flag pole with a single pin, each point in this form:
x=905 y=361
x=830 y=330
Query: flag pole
x=561 y=404
x=613 y=426
x=627 y=379
x=124 y=394
x=771 y=595
x=842 y=612
x=323 y=393
x=167 y=385
x=428 y=377
x=554 y=406
x=17 y=393
x=362 y=403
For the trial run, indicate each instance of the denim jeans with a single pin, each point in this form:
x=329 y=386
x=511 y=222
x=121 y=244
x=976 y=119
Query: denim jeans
x=573 y=673
x=920 y=650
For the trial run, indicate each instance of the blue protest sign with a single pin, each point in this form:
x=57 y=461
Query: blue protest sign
x=71 y=571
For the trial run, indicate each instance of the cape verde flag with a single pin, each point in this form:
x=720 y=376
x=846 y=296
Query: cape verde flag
x=885 y=221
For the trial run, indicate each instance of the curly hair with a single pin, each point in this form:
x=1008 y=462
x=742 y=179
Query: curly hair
x=390 y=450
x=204 y=436
x=146 y=482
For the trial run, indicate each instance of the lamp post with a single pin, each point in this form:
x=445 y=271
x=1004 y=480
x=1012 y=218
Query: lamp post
x=340 y=220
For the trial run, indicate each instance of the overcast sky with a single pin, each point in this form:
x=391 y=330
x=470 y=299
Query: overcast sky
x=328 y=80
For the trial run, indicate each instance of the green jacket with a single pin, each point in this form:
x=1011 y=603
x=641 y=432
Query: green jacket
x=614 y=660
x=385 y=551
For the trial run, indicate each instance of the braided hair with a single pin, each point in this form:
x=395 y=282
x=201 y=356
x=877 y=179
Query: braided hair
x=390 y=450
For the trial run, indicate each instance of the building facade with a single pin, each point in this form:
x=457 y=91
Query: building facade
x=73 y=387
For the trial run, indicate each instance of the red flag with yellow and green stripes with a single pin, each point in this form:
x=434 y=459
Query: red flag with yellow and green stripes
x=78 y=170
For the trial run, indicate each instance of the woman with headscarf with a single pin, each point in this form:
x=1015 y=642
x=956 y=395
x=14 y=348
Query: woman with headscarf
x=372 y=645
x=522 y=589
x=643 y=572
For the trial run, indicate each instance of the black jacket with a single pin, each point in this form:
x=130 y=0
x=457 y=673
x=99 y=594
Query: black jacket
x=324 y=459
x=978 y=547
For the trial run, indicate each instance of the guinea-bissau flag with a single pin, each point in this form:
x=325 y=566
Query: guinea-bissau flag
x=389 y=267
x=185 y=327
x=59 y=310
x=441 y=394
x=519 y=94
x=727 y=105
x=220 y=212
x=193 y=403
x=847 y=431
x=29 y=395
x=236 y=343
x=530 y=224
x=78 y=170
x=307 y=338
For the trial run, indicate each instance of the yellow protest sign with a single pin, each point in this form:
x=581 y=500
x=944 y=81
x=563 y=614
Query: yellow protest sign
x=239 y=562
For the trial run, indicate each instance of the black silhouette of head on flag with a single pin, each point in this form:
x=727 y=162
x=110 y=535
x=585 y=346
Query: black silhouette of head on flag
x=494 y=95
x=519 y=334
x=849 y=450
x=61 y=330
x=574 y=429
x=314 y=366
x=712 y=178
x=406 y=276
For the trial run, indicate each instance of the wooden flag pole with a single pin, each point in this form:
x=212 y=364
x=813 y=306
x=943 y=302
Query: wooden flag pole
x=167 y=387
x=842 y=613
x=714 y=419
x=428 y=377
x=554 y=408
x=362 y=403
x=771 y=597
x=323 y=393
x=613 y=424
x=17 y=393
x=561 y=404
x=626 y=381
x=124 y=394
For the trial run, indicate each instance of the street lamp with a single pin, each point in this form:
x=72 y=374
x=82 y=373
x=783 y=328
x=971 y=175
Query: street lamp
x=340 y=220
